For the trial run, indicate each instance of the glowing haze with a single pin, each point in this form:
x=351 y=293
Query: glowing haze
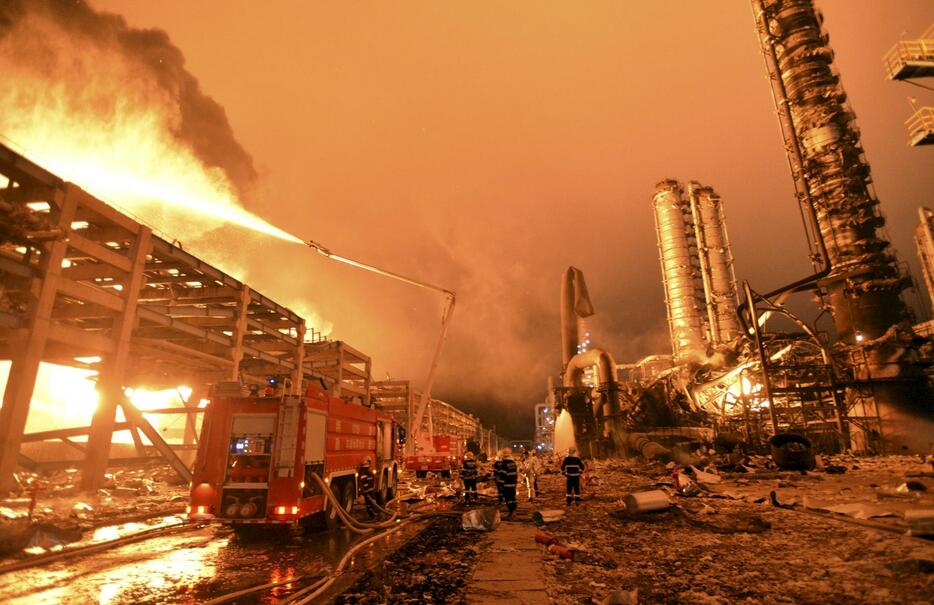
x=481 y=146
x=113 y=110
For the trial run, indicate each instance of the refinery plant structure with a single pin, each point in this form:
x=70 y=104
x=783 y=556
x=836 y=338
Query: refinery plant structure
x=851 y=375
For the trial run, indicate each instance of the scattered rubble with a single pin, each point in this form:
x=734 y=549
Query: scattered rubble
x=50 y=510
x=432 y=567
x=722 y=541
x=480 y=519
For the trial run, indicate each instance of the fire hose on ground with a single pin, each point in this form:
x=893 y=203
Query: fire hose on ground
x=312 y=591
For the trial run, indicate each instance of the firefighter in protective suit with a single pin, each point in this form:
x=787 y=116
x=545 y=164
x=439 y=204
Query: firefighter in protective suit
x=469 y=477
x=509 y=478
x=497 y=477
x=366 y=485
x=572 y=468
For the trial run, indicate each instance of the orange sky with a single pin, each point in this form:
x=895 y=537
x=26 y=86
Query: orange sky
x=487 y=146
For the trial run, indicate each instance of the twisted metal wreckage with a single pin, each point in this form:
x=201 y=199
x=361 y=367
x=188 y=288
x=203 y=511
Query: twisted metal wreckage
x=865 y=390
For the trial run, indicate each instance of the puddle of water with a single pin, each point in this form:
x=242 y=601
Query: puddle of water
x=189 y=567
x=112 y=532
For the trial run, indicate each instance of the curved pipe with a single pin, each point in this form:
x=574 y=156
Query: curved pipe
x=606 y=368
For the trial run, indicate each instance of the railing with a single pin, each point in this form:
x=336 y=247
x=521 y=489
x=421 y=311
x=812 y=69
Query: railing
x=906 y=52
x=921 y=126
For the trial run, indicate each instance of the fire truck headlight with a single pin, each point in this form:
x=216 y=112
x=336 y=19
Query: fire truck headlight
x=202 y=509
x=188 y=510
x=280 y=510
x=294 y=510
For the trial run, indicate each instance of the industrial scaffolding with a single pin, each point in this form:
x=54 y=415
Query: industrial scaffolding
x=86 y=286
x=399 y=398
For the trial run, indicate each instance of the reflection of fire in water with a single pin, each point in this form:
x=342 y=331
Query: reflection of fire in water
x=564 y=433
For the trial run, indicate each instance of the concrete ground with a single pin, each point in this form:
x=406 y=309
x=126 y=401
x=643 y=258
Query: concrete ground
x=510 y=568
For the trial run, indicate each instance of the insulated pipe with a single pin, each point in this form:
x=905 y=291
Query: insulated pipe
x=606 y=368
x=575 y=305
x=607 y=413
x=647 y=448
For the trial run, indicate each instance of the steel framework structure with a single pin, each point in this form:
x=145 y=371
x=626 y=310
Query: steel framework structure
x=85 y=285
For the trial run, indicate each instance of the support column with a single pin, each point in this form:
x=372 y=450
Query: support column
x=110 y=385
x=191 y=420
x=299 y=373
x=31 y=345
x=243 y=311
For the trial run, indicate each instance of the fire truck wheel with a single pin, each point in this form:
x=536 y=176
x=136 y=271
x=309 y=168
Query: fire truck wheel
x=445 y=474
x=331 y=518
x=347 y=496
x=382 y=495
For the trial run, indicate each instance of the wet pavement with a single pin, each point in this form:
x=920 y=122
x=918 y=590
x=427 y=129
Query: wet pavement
x=189 y=567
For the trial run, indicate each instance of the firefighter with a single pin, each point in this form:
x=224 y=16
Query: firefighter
x=497 y=478
x=573 y=467
x=469 y=477
x=509 y=473
x=532 y=468
x=366 y=484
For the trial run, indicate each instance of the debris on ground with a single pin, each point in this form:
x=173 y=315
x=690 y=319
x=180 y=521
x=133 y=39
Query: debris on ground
x=48 y=508
x=725 y=543
x=480 y=519
x=432 y=567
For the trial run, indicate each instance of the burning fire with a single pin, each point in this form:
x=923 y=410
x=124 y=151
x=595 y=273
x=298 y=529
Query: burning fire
x=114 y=110
x=67 y=397
x=138 y=169
x=94 y=108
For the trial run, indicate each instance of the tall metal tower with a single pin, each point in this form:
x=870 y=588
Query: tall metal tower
x=859 y=271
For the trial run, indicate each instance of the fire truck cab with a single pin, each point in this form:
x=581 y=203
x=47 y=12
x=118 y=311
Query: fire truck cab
x=257 y=457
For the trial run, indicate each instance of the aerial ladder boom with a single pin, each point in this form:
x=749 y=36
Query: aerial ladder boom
x=415 y=423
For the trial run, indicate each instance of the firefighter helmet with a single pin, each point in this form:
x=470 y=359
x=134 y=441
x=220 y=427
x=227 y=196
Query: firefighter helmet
x=468 y=456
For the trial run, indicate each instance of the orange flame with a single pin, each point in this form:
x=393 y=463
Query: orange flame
x=90 y=115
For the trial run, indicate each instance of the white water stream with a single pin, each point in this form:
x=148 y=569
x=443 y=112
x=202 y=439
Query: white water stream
x=564 y=433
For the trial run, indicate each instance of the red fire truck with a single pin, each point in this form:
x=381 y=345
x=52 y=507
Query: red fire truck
x=257 y=457
x=442 y=456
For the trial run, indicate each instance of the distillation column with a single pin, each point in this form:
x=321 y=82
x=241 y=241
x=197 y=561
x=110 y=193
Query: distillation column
x=831 y=173
x=716 y=262
x=677 y=250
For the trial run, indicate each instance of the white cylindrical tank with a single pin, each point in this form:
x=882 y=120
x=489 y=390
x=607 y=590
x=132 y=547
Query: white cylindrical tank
x=680 y=275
